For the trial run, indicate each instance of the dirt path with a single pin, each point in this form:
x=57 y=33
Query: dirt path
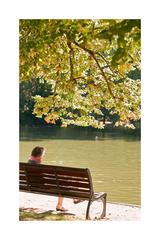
x=114 y=211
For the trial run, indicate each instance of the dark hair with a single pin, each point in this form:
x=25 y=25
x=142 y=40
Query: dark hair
x=37 y=151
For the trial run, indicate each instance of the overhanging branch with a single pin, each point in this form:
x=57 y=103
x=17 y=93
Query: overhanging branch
x=70 y=59
x=92 y=54
x=114 y=73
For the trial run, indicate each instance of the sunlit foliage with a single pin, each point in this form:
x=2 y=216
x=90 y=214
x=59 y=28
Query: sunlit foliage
x=90 y=64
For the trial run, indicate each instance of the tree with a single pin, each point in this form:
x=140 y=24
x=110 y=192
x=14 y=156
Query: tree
x=27 y=90
x=88 y=62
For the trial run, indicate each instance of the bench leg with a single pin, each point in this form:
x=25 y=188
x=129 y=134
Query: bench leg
x=104 y=198
x=104 y=206
x=88 y=207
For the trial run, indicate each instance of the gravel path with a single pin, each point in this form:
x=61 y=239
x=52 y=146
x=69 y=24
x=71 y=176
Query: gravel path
x=114 y=211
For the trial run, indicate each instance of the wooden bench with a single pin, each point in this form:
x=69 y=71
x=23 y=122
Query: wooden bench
x=60 y=181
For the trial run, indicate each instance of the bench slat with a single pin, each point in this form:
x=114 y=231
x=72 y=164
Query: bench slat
x=23 y=182
x=73 y=173
x=37 y=170
x=22 y=177
x=23 y=187
x=38 y=180
x=41 y=179
x=60 y=187
x=72 y=178
x=60 y=177
x=64 y=192
x=51 y=169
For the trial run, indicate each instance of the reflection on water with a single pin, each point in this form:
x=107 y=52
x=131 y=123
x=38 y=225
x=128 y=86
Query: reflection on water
x=113 y=158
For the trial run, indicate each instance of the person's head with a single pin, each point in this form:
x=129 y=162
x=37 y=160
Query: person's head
x=37 y=153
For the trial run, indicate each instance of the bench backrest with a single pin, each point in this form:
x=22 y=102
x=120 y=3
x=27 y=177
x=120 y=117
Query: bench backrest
x=55 y=180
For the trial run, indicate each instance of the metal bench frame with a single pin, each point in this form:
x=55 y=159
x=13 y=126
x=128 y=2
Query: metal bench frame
x=60 y=181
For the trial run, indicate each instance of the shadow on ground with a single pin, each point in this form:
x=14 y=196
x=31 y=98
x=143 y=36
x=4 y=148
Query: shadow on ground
x=34 y=214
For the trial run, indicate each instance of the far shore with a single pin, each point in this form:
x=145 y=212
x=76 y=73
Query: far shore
x=114 y=211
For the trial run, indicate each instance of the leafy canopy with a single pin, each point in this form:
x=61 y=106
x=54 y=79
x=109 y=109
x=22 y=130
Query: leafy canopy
x=89 y=64
x=27 y=91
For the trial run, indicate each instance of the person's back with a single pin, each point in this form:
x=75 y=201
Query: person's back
x=32 y=161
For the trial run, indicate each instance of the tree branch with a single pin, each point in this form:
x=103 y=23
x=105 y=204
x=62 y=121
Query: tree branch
x=113 y=72
x=70 y=59
x=92 y=54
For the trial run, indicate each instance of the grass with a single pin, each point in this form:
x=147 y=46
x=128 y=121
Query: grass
x=31 y=215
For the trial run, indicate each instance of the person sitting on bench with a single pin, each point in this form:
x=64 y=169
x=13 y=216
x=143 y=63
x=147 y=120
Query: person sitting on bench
x=36 y=157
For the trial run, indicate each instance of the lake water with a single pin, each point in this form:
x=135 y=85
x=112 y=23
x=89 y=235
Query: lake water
x=112 y=157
